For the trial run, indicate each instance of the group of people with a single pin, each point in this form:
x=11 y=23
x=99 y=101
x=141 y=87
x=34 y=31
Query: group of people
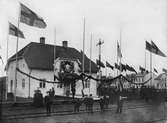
x=87 y=100
x=49 y=98
x=103 y=102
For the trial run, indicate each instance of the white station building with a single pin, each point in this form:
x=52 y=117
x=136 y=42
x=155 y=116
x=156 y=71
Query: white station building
x=37 y=60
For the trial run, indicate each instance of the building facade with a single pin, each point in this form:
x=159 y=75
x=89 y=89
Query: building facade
x=37 y=60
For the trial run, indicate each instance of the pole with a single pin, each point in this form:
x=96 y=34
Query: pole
x=145 y=61
x=54 y=53
x=120 y=57
x=90 y=65
x=15 y=86
x=7 y=46
x=117 y=56
x=151 y=67
x=83 y=57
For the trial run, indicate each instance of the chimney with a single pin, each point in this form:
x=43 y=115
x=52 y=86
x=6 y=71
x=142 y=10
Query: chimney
x=65 y=43
x=42 y=40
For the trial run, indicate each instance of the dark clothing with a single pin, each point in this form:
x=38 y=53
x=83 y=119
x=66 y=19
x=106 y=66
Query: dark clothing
x=101 y=104
x=119 y=105
x=77 y=104
x=48 y=103
x=88 y=101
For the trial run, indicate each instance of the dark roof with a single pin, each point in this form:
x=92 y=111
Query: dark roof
x=40 y=56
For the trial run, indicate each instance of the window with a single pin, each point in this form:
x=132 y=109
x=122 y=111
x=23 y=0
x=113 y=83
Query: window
x=42 y=83
x=87 y=83
x=23 y=65
x=23 y=83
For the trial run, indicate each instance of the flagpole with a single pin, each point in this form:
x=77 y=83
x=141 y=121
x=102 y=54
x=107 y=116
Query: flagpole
x=121 y=56
x=7 y=46
x=151 y=67
x=90 y=65
x=54 y=53
x=145 y=60
x=83 y=57
x=117 y=56
x=17 y=56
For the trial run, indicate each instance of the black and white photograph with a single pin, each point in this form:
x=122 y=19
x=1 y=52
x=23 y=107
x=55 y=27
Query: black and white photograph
x=83 y=61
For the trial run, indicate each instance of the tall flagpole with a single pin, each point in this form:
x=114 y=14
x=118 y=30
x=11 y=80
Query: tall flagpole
x=145 y=60
x=151 y=67
x=90 y=65
x=7 y=46
x=15 y=86
x=54 y=51
x=83 y=57
x=117 y=56
x=121 y=56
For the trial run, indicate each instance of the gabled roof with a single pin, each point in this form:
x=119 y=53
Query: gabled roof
x=40 y=56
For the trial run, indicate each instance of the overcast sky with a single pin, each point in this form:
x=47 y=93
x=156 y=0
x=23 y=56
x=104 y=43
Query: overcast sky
x=139 y=20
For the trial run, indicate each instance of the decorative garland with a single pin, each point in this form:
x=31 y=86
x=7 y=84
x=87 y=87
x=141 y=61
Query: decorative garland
x=83 y=76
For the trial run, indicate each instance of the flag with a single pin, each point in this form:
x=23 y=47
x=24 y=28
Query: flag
x=119 y=54
x=122 y=67
x=100 y=63
x=148 y=46
x=31 y=18
x=13 y=30
x=156 y=50
x=164 y=70
x=142 y=69
x=110 y=66
x=155 y=70
x=129 y=68
x=117 y=66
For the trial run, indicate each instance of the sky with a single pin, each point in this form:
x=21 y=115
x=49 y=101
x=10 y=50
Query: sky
x=130 y=22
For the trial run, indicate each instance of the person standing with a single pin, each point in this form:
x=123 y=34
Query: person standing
x=48 y=102
x=101 y=101
x=91 y=103
x=77 y=104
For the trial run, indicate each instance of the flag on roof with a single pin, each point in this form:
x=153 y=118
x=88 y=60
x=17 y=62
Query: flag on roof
x=13 y=30
x=129 y=68
x=119 y=54
x=108 y=65
x=148 y=46
x=31 y=18
x=122 y=67
x=117 y=66
x=100 y=63
x=142 y=69
x=155 y=70
x=164 y=70
x=156 y=50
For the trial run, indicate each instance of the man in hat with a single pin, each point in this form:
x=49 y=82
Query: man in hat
x=48 y=102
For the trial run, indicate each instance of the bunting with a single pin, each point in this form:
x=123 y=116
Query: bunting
x=155 y=70
x=100 y=63
x=110 y=66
